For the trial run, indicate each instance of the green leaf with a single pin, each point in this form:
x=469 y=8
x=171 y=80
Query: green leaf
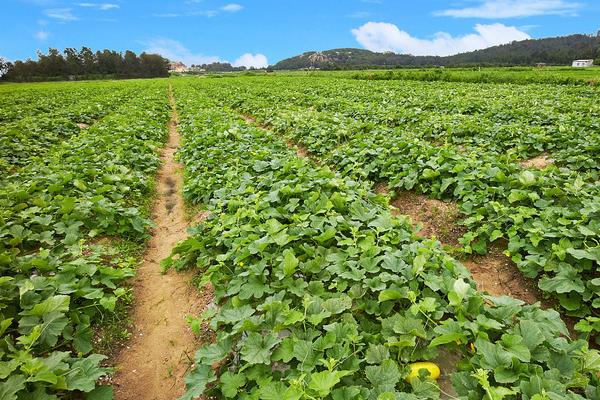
x=564 y=282
x=10 y=388
x=306 y=356
x=323 y=382
x=531 y=333
x=230 y=383
x=101 y=393
x=197 y=380
x=446 y=338
x=419 y=263
x=108 y=302
x=325 y=236
x=85 y=372
x=214 y=352
x=338 y=304
x=592 y=253
x=391 y=294
x=290 y=262
x=376 y=354
x=345 y=393
x=385 y=376
x=58 y=303
x=279 y=391
x=514 y=345
x=591 y=361
x=461 y=288
x=527 y=178
x=494 y=355
x=256 y=349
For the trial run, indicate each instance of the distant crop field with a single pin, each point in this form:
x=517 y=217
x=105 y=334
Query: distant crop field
x=521 y=75
x=405 y=234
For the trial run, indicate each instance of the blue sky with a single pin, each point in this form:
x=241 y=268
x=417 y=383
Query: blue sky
x=254 y=32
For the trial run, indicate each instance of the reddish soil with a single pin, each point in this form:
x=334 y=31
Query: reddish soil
x=432 y=218
x=496 y=274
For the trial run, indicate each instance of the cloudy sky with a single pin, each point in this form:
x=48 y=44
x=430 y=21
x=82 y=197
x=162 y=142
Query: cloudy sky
x=258 y=32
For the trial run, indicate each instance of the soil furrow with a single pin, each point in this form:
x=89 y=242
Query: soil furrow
x=493 y=272
x=152 y=366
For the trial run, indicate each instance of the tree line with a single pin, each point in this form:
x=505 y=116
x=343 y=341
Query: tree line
x=85 y=64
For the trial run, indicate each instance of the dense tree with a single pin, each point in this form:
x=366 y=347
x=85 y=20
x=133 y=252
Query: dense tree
x=73 y=61
x=85 y=64
x=153 y=65
x=88 y=60
x=51 y=64
x=131 y=64
x=108 y=61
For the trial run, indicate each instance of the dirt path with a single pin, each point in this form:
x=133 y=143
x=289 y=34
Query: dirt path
x=153 y=365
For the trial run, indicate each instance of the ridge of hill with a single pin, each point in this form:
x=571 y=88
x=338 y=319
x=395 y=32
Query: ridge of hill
x=554 y=51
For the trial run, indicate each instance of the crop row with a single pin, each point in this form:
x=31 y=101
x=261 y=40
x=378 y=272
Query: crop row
x=499 y=119
x=62 y=218
x=549 y=217
x=517 y=76
x=321 y=293
x=32 y=121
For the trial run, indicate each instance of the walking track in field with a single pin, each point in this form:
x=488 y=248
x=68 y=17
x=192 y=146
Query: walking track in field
x=153 y=365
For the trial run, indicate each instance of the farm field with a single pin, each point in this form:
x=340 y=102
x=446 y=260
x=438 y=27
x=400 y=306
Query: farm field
x=317 y=284
x=517 y=75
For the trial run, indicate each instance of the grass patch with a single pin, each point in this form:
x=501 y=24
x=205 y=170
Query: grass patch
x=113 y=329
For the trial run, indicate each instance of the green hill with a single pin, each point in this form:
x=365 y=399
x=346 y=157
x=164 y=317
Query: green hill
x=552 y=51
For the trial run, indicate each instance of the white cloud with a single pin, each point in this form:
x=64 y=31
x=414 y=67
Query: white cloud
x=204 y=13
x=232 y=7
x=61 y=14
x=42 y=35
x=252 y=60
x=495 y=9
x=359 y=14
x=175 y=51
x=100 y=6
x=167 y=15
x=381 y=36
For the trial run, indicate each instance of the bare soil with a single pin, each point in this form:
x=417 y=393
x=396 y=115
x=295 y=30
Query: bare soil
x=152 y=366
x=435 y=218
x=82 y=125
x=539 y=162
x=494 y=272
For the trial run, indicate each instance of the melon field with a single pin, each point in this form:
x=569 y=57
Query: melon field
x=281 y=236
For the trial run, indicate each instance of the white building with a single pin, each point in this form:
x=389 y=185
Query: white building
x=583 y=63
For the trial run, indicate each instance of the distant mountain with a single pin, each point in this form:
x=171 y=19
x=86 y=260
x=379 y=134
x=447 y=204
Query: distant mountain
x=552 y=51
